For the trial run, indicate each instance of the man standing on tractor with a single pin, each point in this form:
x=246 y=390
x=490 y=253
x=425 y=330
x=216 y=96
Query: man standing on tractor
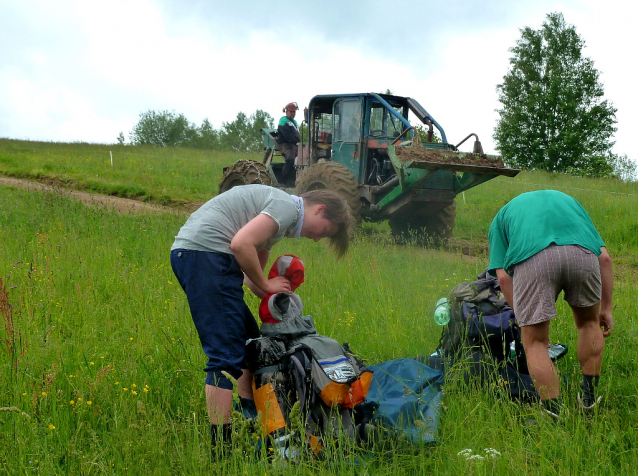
x=288 y=139
x=542 y=243
x=225 y=244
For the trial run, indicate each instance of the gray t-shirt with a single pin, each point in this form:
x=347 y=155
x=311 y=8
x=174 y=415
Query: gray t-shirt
x=214 y=224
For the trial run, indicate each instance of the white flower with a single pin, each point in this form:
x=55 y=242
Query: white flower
x=466 y=452
x=477 y=457
x=491 y=452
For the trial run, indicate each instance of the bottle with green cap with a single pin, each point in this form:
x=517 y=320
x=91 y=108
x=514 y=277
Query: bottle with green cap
x=442 y=312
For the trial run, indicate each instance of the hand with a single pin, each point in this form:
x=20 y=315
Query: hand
x=606 y=322
x=278 y=284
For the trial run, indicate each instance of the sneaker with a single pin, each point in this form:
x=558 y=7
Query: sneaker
x=589 y=410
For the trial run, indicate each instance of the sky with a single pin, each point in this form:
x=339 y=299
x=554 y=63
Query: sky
x=84 y=71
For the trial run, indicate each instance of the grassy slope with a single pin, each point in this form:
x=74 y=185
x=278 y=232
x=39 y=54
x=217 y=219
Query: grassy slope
x=97 y=315
x=163 y=175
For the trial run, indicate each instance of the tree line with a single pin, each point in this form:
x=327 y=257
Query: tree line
x=167 y=128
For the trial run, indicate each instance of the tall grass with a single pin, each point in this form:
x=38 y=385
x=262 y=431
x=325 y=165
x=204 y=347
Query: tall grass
x=101 y=369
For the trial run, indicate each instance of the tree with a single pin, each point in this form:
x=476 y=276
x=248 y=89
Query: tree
x=244 y=133
x=162 y=128
x=207 y=137
x=260 y=120
x=423 y=134
x=554 y=116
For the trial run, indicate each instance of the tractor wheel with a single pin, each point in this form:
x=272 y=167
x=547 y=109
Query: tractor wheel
x=435 y=229
x=244 y=172
x=335 y=177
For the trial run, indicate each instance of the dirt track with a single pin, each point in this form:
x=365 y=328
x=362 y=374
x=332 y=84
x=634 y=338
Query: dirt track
x=122 y=205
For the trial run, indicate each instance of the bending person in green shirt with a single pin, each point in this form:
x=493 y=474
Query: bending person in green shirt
x=542 y=243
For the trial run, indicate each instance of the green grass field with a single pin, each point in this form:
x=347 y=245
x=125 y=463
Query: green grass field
x=101 y=369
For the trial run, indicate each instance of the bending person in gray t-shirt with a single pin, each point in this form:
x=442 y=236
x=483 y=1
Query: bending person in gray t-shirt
x=226 y=243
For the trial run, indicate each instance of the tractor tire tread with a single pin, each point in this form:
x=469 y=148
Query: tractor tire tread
x=437 y=228
x=244 y=172
x=335 y=177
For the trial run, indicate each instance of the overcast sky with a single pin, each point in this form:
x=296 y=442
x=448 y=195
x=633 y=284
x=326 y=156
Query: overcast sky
x=85 y=70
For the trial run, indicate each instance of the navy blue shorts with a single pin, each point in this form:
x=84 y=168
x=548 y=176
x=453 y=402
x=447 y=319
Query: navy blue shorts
x=213 y=283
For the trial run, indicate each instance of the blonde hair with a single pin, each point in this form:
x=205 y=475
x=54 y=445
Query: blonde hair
x=337 y=211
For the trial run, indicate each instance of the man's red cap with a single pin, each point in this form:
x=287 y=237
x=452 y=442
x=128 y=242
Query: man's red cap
x=292 y=105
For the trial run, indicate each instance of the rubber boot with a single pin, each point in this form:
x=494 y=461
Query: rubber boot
x=221 y=441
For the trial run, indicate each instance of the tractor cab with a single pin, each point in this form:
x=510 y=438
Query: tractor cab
x=355 y=130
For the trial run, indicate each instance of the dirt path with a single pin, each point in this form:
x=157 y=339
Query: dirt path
x=122 y=205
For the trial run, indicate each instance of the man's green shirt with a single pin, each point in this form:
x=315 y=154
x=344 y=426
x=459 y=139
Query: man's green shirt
x=286 y=119
x=533 y=221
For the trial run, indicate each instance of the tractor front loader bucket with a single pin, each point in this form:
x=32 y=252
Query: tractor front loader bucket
x=414 y=164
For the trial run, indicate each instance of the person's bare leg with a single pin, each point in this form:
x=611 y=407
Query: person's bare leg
x=245 y=385
x=219 y=402
x=591 y=342
x=544 y=374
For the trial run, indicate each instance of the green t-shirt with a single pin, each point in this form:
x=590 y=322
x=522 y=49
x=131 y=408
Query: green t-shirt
x=532 y=221
x=284 y=120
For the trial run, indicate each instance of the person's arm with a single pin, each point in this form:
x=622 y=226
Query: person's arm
x=505 y=281
x=607 y=279
x=244 y=246
x=263 y=260
x=288 y=133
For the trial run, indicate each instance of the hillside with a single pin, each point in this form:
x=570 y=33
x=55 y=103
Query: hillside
x=103 y=368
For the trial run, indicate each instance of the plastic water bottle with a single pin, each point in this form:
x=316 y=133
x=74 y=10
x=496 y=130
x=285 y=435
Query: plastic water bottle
x=512 y=354
x=442 y=312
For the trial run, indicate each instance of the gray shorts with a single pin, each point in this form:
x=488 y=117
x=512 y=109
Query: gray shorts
x=538 y=281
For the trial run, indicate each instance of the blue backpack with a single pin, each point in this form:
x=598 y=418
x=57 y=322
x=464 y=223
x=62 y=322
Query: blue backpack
x=484 y=339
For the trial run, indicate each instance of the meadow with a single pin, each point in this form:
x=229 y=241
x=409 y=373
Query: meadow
x=101 y=369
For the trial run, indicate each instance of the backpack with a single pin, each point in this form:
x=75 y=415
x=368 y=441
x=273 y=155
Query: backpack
x=295 y=367
x=484 y=337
